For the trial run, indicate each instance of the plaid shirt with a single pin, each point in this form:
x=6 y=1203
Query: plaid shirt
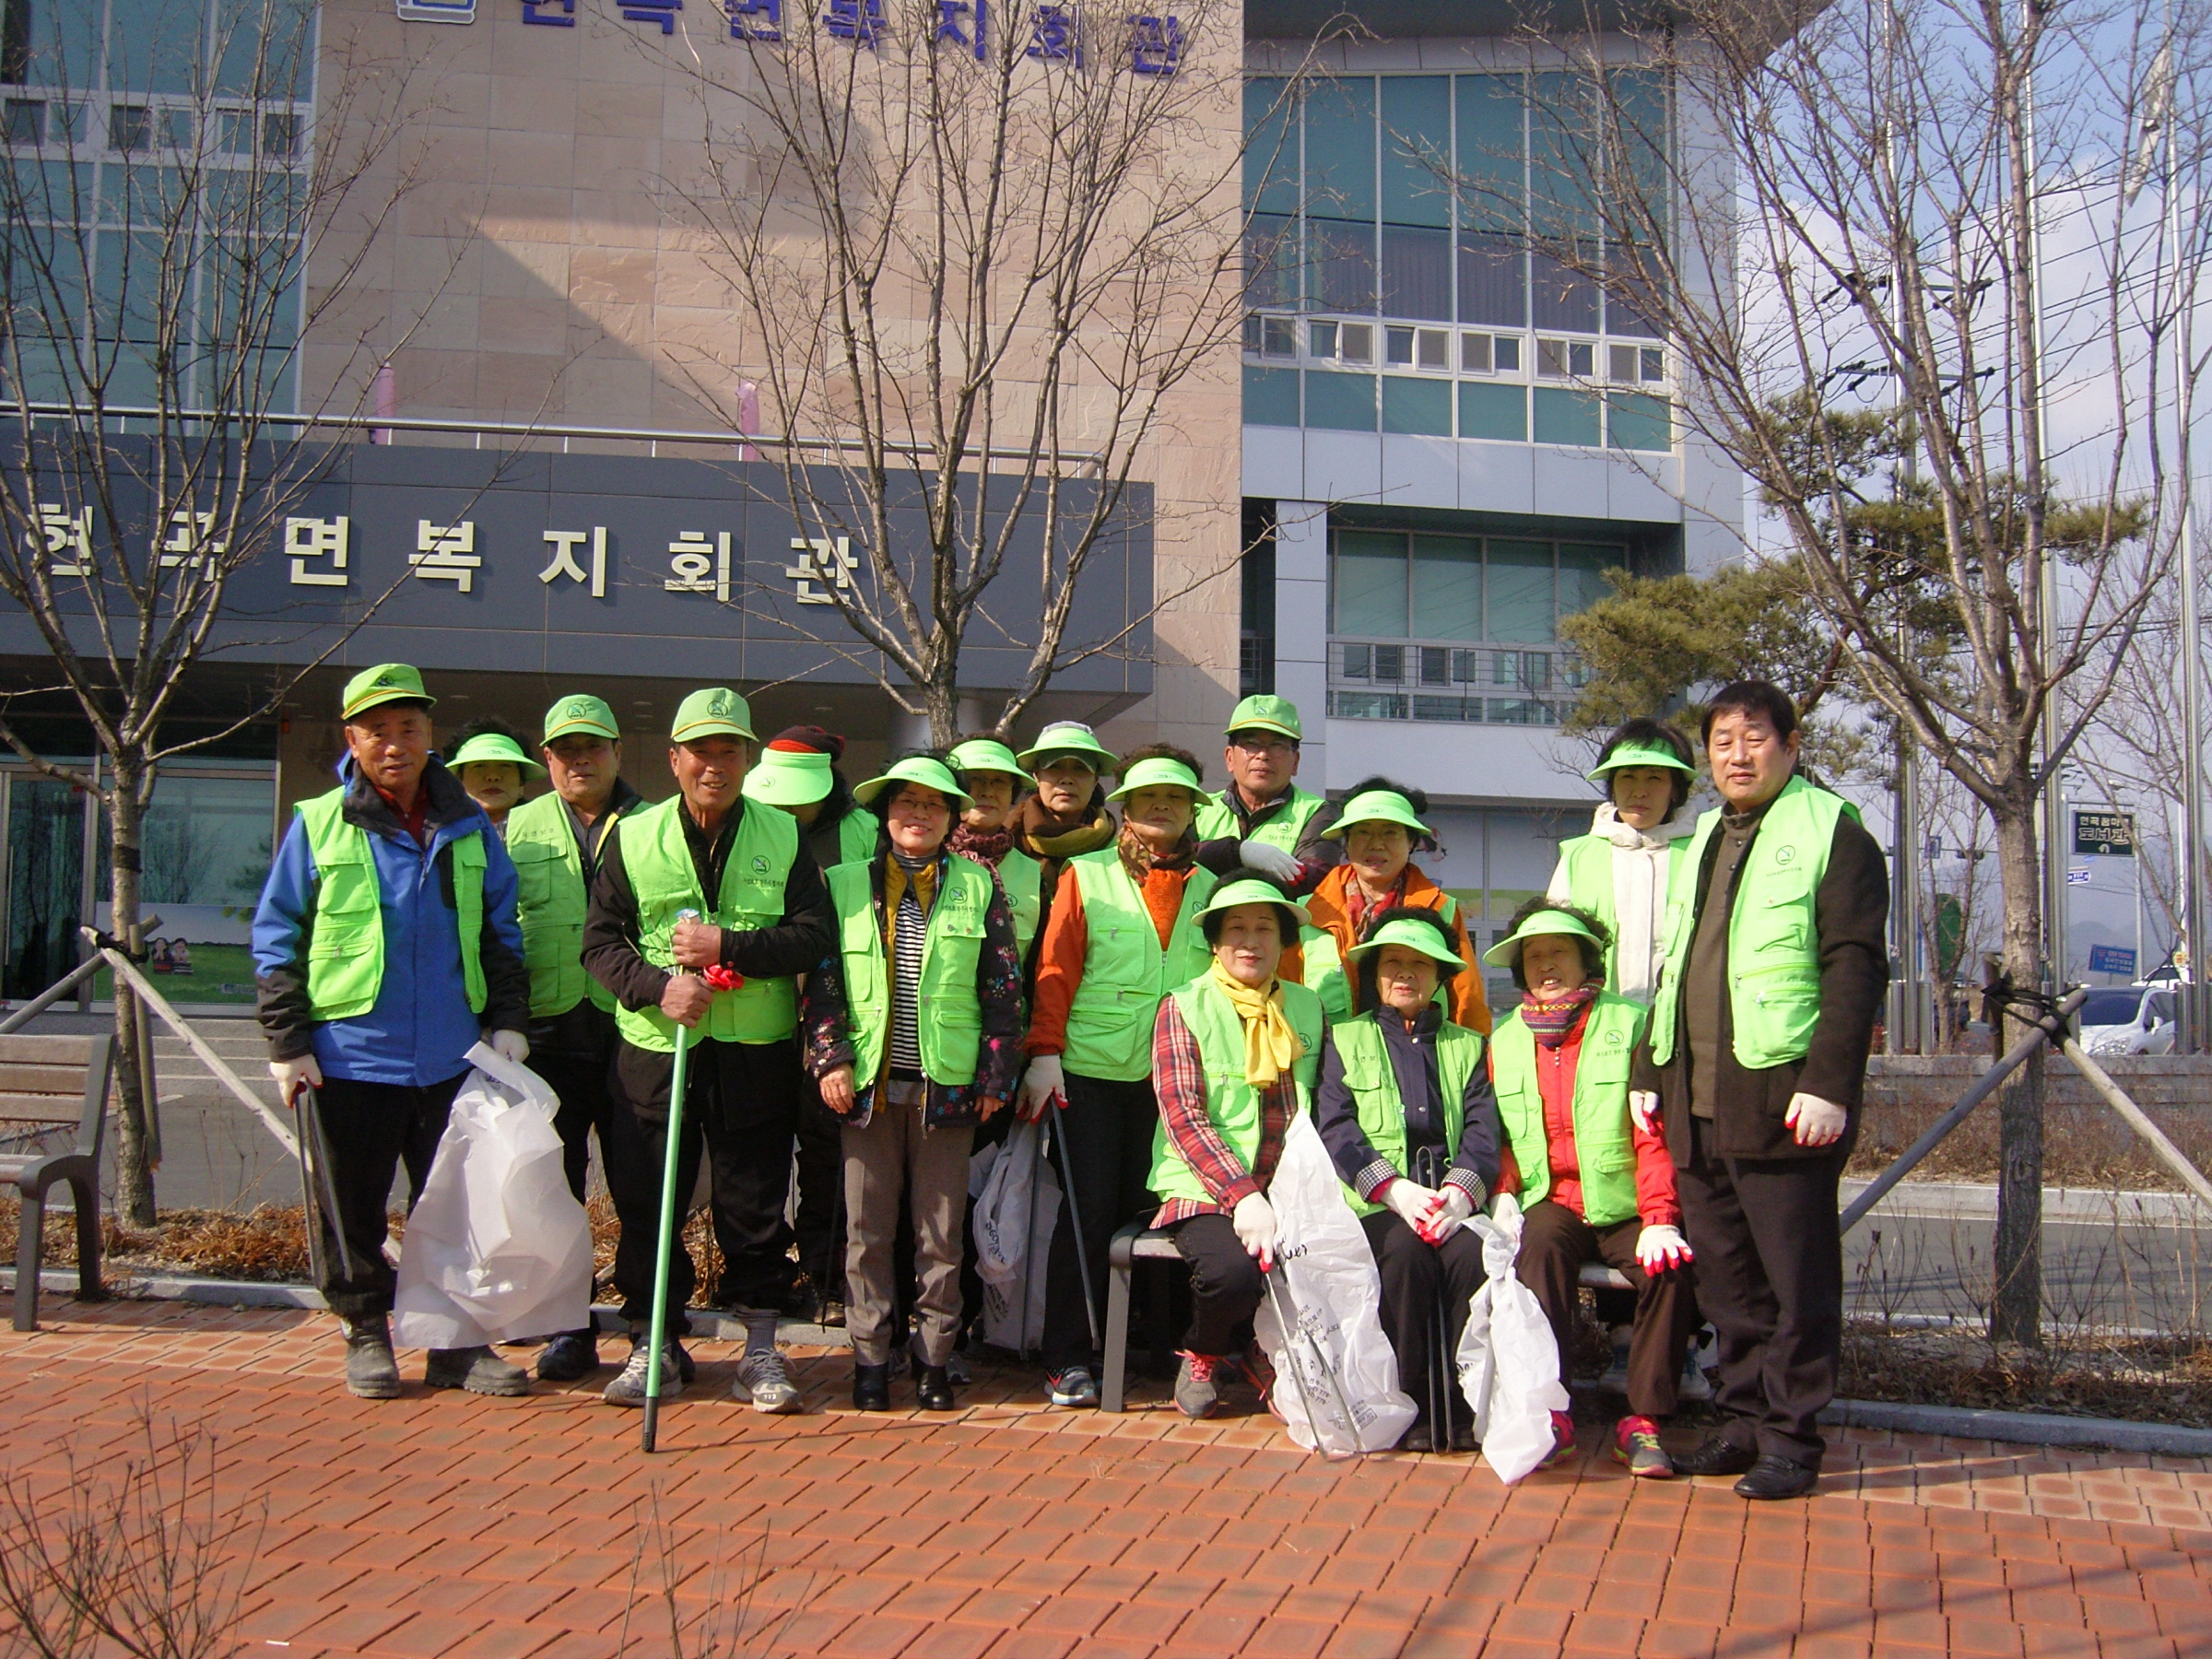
x=1179 y=1083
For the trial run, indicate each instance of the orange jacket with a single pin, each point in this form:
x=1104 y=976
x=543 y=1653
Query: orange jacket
x=1331 y=910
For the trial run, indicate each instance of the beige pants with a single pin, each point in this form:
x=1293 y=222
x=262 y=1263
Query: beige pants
x=894 y=1158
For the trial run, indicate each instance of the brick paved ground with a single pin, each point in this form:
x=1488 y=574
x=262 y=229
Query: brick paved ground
x=440 y=1525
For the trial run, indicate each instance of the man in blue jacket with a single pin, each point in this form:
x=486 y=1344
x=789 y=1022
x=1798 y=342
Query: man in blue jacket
x=385 y=946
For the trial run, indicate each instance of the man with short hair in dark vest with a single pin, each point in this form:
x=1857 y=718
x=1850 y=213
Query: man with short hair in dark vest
x=1777 y=961
x=1263 y=820
x=385 y=946
x=760 y=916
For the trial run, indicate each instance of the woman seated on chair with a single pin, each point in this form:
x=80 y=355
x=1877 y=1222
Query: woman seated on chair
x=1593 y=1186
x=1234 y=1054
x=1405 y=1111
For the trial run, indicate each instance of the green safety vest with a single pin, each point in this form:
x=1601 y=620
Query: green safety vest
x=658 y=859
x=1773 y=941
x=1232 y=1105
x=1589 y=861
x=551 y=904
x=1023 y=879
x=950 y=1015
x=1217 y=822
x=1376 y=1102
x=1604 y=1145
x=1326 y=974
x=856 y=833
x=1125 y=972
x=346 y=946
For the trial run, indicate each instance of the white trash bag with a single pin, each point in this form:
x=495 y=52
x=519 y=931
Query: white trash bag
x=1013 y=1221
x=1327 y=1276
x=1003 y=1207
x=497 y=1247
x=1509 y=1364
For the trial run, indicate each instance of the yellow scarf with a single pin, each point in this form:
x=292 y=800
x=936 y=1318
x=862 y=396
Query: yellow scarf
x=1270 y=1043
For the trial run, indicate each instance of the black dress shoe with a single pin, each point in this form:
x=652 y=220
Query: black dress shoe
x=933 y=1389
x=1416 y=1438
x=1718 y=1455
x=871 y=1388
x=1773 y=1477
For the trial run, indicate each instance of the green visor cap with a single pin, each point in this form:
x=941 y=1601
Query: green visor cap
x=585 y=713
x=495 y=746
x=1413 y=935
x=1640 y=754
x=1154 y=772
x=1250 y=890
x=1267 y=714
x=925 y=770
x=717 y=712
x=788 y=778
x=387 y=682
x=1377 y=805
x=985 y=754
x=1507 y=952
x=1069 y=737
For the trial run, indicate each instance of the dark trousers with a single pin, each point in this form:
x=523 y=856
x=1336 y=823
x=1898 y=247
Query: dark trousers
x=1413 y=1274
x=1226 y=1286
x=1555 y=1242
x=1770 y=1279
x=369 y=1130
x=1105 y=1140
x=741 y=1105
x=582 y=1080
x=820 y=1221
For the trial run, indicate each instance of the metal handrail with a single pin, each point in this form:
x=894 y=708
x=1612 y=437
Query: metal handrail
x=62 y=987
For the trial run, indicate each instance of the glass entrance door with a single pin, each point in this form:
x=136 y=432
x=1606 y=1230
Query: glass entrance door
x=45 y=882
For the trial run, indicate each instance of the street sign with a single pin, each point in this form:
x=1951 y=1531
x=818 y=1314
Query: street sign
x=2105 y=835
x=2077 y=878
x=2113 y=959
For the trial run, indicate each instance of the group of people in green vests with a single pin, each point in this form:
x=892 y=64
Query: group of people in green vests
x=879 y=976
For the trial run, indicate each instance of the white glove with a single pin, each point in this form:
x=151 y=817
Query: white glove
x=294 y=1075
x=1818 y=1122
x=1643 y=1108
x=1045 y=1077
x=509 y=1045
x=1412 y=1202
x=1268 y=861
x=1254 y=1220
x=1452 y=1208
x=1659 y=1248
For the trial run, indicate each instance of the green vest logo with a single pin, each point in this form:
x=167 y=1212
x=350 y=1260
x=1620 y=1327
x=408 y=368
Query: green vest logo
x=1613 y=1038
x=577 y=710
x=1783 y=855
x=759 y=865
x=718 y=705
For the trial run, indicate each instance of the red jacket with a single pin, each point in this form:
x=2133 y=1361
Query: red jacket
x=1657 y=1201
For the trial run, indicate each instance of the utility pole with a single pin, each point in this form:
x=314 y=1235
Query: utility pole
x=2190 y=1036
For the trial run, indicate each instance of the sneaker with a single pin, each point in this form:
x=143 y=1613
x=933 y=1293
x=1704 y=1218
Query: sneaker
x=628 y=1389
x=1197 y=1391
x=1636 y=1443
x=477 y=1370
x=570 y=1355
x=1071 y=1385
x=762 y=1381
x=1259 y=1370
x=371 y=1373
x=1562 y=1440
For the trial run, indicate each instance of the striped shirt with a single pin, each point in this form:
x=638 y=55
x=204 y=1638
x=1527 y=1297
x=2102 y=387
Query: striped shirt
x=909 y=934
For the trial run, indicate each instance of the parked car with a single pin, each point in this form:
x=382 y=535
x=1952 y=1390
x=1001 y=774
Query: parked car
x=2128 y=1019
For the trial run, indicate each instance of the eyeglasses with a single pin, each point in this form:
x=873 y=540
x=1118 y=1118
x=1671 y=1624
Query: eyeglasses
x=1263 y=743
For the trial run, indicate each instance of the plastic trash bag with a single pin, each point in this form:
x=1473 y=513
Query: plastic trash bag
x=1003 y=1209
x=1024 y=1210
x=497 y=1247
x=1509 y=1362
x=1326 y=1276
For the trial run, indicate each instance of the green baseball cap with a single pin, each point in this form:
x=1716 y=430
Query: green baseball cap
x=582 y=712
x=495 y=746
x=925 y=770
x=716 y=711
x=1641 y=754
x=1267 y=714
x=1154 y=771
x=387 y=682
x=985 y=754
x=1506 y=953
x=1069 y=737
x=1377 y=805
x=789 y=778
x=1413 y=935
x=1251 y=889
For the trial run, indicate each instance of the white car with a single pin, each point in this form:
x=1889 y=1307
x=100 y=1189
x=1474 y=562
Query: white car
x=2128 y=1019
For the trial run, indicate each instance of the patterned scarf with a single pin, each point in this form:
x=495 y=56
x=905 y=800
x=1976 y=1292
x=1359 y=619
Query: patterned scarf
x=1271 y=1045
x=985 y=846
x=1549 y=1022
x=1042 y=835
x=1140 y=861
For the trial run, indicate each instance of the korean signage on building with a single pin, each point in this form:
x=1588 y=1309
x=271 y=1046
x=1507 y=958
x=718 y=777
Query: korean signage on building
x=2104 y=834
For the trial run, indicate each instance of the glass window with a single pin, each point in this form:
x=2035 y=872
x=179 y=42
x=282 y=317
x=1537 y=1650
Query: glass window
x=206 y=849
x=1566 y=417
x=1270 y=260
x=1369 y=583
x=1491 y=150
x=1560 y=149
x=1417 y=149
x=1519 y=591
x=1635 y=420
x=1421 y=406
x=1270 y=396
x=1416 y=273
x=1582 y=575
x=1447 y=586
x=1270 y=148
x=1340 y=150
x=1343 y=252
x=1492 y=285
x=1562 y=298
x=1342 y=403
x=1495 y=412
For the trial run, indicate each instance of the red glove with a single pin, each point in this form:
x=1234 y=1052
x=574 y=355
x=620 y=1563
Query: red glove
x=721 y=978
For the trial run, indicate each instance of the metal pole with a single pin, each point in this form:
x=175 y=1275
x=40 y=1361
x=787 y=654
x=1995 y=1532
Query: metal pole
x=2189 y=1037
x=1909 y=1038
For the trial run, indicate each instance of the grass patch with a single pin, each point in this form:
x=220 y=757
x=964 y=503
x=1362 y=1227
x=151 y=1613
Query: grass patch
x=2083 y=1146
x=2160 y=1380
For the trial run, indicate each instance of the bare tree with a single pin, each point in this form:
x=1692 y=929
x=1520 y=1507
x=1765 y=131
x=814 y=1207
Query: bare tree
x=988 y=249
x=1862 y=195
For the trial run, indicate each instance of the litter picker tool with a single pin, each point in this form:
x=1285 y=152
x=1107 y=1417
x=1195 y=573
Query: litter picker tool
x=1294 y=1329
x=659 y=1332
x=1075 y=1218
x=1428 y=1166
x=318 y=1191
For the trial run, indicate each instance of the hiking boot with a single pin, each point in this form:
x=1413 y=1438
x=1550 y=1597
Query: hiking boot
x=871 y=1387
x=568 y=1357
x=1071 y=1385
x=1197 y=1391
x=933 y=1389
x=628 y=1389
x=1562 y=1441
x=1636 y=1443
x=477 y=1370
x=371 y=1373
x=762 y=1380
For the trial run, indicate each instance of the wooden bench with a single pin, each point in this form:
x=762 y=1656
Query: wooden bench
x=50 y=1083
